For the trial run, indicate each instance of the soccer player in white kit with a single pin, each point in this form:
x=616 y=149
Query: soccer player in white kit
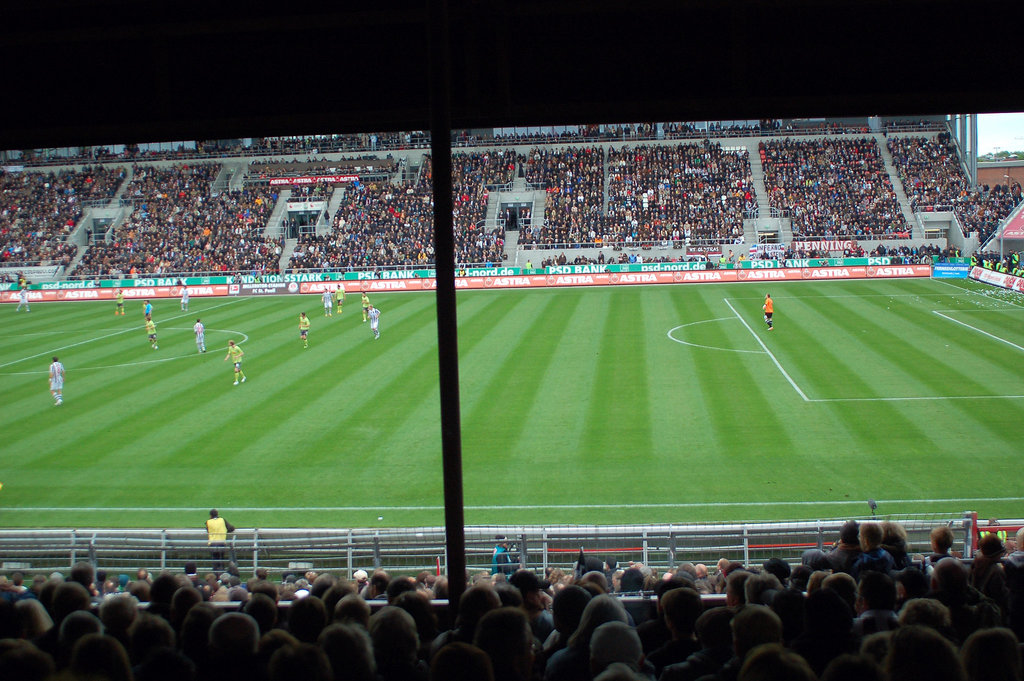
x=23 y=300
x=328 y=303
x=374 y=315
x=57 y=381
x=200 y=332
x=184 y=298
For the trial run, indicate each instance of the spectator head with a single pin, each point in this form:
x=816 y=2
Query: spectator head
x=194 y=634
x=321 y=584
x=844 y=585
x=166 y=664
x=761 y=588
x=508 y=594
x=118 y=612
x=992 y=654
x=378 y=584
x=910 y=583
x=349 y=649
x=816 y=560
x=33 y=618
x=849 y=533
x=262 y=609
x=84 y=574
x=876 y=591
x=599 y=610
x=595 y=582
x=475 y=602
x=799 y=576
x=235 y=635
x=941 y=538
x=849 y=667
x=926 y=612
x=398 y=586
x=772 y=662
x=735 y=588
x=354 y=610
x=21 y=660
x=417 y=604
x=459 y=661
x=505 y=635
x=714 y=628
x=615 y=642
x=876 y=646
x=870 y=536
x=395 y=642
x=75 y=626
x=69 y=597
x=101 y=657
x=788 y=604
x=921 y=653
x=950 y=578
x=990 y=546
x=182 y=601
x=681 y=608
x=304 y=661
x=307 y=618
x=148 y=633
x=779 y=568
x=632 y=581
x=567 y=608
x=752 y=626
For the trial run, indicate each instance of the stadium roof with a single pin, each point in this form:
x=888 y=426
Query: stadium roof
x=102 y=71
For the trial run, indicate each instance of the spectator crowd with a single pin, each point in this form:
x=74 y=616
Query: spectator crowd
x=178 y=224
x=934 y=179
x=832 y=188
x=869 y=609
x=38 y=211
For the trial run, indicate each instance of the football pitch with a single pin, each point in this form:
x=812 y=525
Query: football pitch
x=579 y=406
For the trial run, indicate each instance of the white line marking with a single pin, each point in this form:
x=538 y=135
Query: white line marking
x=758 y=339
x=523 y=507
x=116 y=333
x=708 y=347
x=913 y=399
x=974 y=328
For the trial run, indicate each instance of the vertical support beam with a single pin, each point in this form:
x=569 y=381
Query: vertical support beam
x=447 y=334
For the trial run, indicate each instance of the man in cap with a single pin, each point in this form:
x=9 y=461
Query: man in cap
x=536 y=602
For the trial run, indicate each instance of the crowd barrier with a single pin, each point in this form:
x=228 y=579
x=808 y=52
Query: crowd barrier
x=411 y=550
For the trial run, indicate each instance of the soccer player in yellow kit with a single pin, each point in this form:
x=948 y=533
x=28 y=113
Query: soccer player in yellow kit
x=366 y=305
x=304 y=329
x=119 y=296
x=339 y=297
x=151 y=331
x=235 y=355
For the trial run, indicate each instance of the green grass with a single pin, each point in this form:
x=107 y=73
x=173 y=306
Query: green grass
x=577 y=407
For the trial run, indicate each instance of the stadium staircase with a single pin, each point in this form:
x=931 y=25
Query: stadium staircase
x=764 y=222
x=916 y=230
x=286 y=254
x=79 y=235
x=275 y=225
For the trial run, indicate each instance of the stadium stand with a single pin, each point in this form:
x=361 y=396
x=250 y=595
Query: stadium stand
x=574 y=181
x=381 y=224
x=38 y=211
x=832 y=187
x=178 y=225
x=934 y=179
x=694 y=192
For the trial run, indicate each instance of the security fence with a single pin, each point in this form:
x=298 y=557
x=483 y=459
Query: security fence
x=410 y=550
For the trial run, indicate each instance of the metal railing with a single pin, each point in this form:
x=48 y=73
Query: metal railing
x=409 y=550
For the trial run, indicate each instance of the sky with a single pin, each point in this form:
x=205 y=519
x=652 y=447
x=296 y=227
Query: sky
x=1000 y=132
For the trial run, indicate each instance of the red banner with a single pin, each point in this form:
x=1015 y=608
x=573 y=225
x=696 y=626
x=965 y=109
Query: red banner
x=328 y=179
x=1015 y=227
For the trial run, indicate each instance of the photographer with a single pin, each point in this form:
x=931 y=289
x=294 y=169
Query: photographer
x=217 y=530
x=503 y=559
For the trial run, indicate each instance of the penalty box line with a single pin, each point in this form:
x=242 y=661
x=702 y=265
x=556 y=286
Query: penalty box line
x=769 y=352
x=974 y=328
